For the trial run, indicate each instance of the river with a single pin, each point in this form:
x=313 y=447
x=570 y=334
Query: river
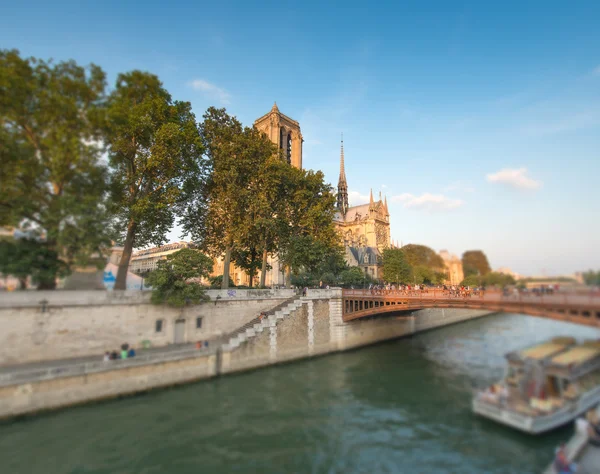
x=401 y=406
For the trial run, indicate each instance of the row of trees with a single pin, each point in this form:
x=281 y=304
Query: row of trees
x=82 y=166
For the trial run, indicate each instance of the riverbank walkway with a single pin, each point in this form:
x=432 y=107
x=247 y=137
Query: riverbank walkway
x=45 y=370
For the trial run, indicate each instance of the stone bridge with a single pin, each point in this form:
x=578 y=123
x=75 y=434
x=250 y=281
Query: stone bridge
x=579 y=308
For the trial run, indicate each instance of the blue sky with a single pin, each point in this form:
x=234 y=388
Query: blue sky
x=479 y=121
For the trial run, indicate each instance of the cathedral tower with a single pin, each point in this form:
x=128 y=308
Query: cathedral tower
x=284 y=132
x=342 y=194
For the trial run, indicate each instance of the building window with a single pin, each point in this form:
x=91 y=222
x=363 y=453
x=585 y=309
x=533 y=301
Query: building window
x=198 y=323
x=159 y=325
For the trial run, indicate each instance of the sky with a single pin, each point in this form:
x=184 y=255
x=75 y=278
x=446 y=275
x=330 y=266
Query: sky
x=480 y=121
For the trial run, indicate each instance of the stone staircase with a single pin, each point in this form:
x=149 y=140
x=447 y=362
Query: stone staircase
x=256 y=326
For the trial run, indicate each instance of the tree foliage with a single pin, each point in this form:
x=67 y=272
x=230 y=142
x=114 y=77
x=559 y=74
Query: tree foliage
x=171 y=281
x=591 y=277
x=475 y=262
x=155 y=152
x=53 y=181
x=395 y=267
x=420 y=255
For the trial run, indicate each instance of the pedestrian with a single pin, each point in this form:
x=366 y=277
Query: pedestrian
x=106 y=356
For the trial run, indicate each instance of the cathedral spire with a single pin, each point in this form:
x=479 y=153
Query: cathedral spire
x=342 y=195
x=371 y=202
x=385 y=206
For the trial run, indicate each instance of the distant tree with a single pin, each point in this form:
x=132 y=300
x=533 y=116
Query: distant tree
x=475 y=262
x=171 y=281
x=591 y=277
x=395 y=267
x=498 y=279
x=420 y=255
x=472 y=280
x=427 y=275
x=53 y=184
x=155 y=153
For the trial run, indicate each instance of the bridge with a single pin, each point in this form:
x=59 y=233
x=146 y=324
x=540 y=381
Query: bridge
x=579 y=308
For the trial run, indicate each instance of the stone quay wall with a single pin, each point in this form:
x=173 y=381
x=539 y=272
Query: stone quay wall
x=314 y=328
x=52 y=325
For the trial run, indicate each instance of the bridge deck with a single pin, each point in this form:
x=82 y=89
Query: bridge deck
x=572 y=307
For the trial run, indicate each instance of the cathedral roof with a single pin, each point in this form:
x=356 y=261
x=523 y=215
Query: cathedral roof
x=353 y=212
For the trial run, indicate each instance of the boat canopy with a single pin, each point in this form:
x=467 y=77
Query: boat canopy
x=576 y=361
x=541 y=352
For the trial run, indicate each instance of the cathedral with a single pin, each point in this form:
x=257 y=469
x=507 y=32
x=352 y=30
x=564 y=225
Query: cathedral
x=364 y=229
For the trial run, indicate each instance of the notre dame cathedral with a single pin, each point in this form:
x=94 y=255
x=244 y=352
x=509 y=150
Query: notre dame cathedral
x=365 y=229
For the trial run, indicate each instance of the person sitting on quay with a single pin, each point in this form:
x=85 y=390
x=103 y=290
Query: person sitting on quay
x=106 y=356
x=123 y=353
x=131 y=353
x=114 y=355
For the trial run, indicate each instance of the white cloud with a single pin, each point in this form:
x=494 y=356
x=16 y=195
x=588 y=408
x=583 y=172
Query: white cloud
x=428 y=202
x=516 y=178
x=459 y=186
x=355 y=198
x=211 y=90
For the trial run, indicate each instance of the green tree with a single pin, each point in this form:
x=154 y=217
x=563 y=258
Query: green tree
x=53 y=181
x=218 y=212
x=591 y=277
x=354 y=277
x=217 y=282
x=475 y=262
x=395 y=267
x=307 y=236
x=498 y=279
x=155 y=152
x=172 y=282
x=427 y=275
x=420 y=255
x=472 y=280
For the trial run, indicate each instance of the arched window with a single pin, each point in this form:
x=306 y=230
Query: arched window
x=289 y=148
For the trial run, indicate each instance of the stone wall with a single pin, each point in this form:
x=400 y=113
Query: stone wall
x=60 y=392
x=83 y=323
x=316 y=327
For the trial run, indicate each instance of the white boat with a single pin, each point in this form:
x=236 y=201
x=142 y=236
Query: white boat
x=545 y=386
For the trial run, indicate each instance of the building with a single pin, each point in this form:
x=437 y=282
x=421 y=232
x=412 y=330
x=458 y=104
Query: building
x=284 y=132
x=508 y=271
x=147 y=260
x=454 y=268
x=364 y=229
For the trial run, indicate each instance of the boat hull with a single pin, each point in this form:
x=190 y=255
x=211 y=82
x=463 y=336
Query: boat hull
x=537 y=424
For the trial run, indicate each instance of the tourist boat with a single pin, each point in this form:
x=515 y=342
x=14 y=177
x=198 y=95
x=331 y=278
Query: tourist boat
x=545 y=386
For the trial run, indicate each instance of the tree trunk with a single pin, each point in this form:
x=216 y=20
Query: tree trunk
x=48 y=282
x=226 y=265
x=288 y=277
x=121 y=283
x=263 y=270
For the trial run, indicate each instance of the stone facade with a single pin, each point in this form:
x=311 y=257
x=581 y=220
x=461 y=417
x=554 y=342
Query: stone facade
x=283 y=132
x=364 y=230
x=454 y=268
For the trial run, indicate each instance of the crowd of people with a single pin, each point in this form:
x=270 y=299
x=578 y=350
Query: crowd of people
x=452 y=291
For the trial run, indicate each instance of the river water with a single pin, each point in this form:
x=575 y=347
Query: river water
x=401 y=406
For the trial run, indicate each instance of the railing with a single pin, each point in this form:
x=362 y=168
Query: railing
x=73 y=369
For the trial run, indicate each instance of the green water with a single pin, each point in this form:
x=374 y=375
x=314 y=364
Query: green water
x=402 y=406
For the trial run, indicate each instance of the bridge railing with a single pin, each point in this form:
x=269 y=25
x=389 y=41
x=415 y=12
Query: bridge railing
x=563 y=298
